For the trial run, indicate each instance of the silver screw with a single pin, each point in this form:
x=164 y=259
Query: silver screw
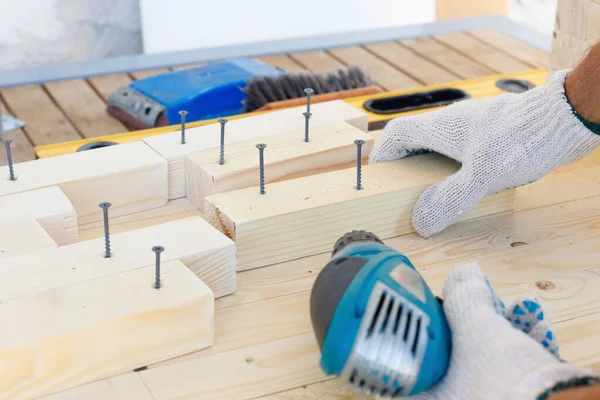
x=11 y=171
x=358 y=144
x=261 y=159
x=183 y=113
x=157 y=250
x=222 y=121
x=1 y=127
x=104 y=206
x=307 y=114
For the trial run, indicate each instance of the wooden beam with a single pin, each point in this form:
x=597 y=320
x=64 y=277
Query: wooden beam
x=305 y=216
x=131 y=176
x=23 y=236
x=205 y=251
x=287 y=155
x=204 y=137
x=49 y=207
x=87 y=331
x=128 y=386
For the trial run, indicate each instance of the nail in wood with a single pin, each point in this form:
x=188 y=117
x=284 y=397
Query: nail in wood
x=104 y=206
x=11 y=171
x=358 y=144
x=261 y=160
x=183 y=113
x=307 y=114
x=222 y=121
x=157 y=250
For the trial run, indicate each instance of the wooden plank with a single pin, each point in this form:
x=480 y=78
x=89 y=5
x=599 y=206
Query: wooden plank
x=186 y=66
x=317 y=61
x=50 y=207
x=121 y=387
x=381 y=72
x=205 y=251
x=572 y=17
x=530 y=55
x=23 y=236
x=46 y=123
x=448 y=58
x=332 y=389
x=131 y=176
x=169 y=145
x=482 y=53
x=106 y=84
x=77 y=334
x=452 y=9
x=415 y=65
x=325 y=206
x=21 y=148
x=138 y=75
x=84 y=107
x=282 y=61
x=330 y=147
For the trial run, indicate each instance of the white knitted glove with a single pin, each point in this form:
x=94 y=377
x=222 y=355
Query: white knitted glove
x=490 y=358
x=502 y=142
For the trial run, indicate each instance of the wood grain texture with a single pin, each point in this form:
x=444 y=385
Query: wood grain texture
x=127 y=386
x=131 y=176
x=23 y=236
x=169 y=145
x=50 y=207
x=46 y=123
x=106 y=84
x=21 y=149
x=381 y=72
x=417 y=66
x=205 y=251
x=317 y=61
x=77 y=334
x=322 y=206
x=282 y=61
x=486 y=55
x=138 y=75
x=330 y=147
x=84 y=108
x=446 y=57
x=451 y=9
x=186 y=66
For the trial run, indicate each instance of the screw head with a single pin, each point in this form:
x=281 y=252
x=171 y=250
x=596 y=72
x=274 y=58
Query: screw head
x=158 y=249
x=105 y=205
x=306 y=114
x=308 y=91
x=183 y=113
x=359 y=142
x=7 y=142
x=261 y=146
x=222 y=121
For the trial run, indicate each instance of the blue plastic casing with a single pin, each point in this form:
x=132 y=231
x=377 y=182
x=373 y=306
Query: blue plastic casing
x=346 y=320
x=206 y=92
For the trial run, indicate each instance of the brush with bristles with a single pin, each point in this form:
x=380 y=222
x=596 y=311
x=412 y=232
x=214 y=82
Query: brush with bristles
x=287 y=89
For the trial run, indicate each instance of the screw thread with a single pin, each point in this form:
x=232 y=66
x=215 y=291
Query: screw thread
x=222 y=121
x=11 y=170
x=261 y=166
x=359 y=144
x=157 y=250
x=183 y=114
x=104 y=207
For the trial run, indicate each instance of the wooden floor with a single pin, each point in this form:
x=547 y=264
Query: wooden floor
x=70 y=110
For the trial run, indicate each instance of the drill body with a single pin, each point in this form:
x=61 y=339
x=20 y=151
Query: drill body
x=379 y=326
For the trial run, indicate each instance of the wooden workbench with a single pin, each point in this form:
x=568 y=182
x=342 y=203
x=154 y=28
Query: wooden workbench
x=264 y=346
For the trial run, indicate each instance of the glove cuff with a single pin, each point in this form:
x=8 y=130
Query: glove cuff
x=545 y=381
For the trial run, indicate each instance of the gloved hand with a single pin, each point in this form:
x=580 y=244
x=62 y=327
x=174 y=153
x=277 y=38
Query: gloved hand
x=502 y=142
x=492 y=358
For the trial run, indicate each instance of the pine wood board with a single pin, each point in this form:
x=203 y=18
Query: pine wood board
x=131 y=176
x=287 y=155
x=282 y=61
x=106 y=84
x=77 y=334
x=23 y=236
x=200 y=138
x=317 y=61
x=138 y=75
x=50 y=207
x=206 y=252
x=21 y=149
x=128 y=386
x=304 y=216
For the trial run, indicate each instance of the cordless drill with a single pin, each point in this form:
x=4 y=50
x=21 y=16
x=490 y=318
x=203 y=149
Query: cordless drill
x=378 y=325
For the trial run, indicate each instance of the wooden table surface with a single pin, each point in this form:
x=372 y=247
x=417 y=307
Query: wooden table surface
x=74 y=109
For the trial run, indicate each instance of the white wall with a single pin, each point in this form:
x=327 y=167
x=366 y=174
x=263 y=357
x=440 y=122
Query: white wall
x=187 y=24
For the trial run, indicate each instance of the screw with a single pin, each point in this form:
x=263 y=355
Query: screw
x=157 y=250
x=183 y=114
x=1 y=127
x=9 y=157
x=358 y=144
x=261 y=159
x=222 y=121
x=307 y=114
x=104 y=206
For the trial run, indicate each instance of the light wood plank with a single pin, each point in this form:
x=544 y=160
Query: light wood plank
x=330 y=147
x=85 y=109
x=107 y=84
x=50 y=207
x=169 y=145
x=205 y=251
x=448 y=58
x=21 y=149
x=383 y=73
x=530 y=55
x=46 y=123
x=317 y=61
x=572 y=17
x=131 y=176
x=186 y=66
x=413 y=64
x=77 y=334
x=139 y=75
x=282 y=61
x=490 y=57
x=332 y=389
x=23 y=236
x=325 y=206
x=452 y=9
x=121 y=387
